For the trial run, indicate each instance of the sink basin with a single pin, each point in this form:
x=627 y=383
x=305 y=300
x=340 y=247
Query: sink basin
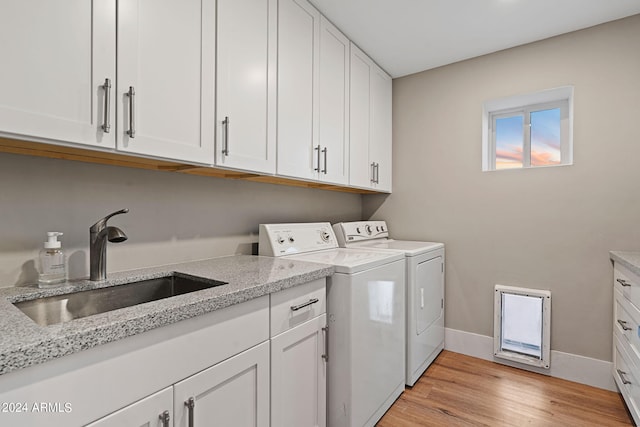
x=64 y=308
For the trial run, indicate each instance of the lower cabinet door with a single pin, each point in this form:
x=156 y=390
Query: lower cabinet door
x=234 y=392
x=153 y=411
x=299 y=375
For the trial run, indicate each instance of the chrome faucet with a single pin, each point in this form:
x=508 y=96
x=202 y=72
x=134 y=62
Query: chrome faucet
x=99 y=233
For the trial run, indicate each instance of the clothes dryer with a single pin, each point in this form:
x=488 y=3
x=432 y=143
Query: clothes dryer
x=424 y=288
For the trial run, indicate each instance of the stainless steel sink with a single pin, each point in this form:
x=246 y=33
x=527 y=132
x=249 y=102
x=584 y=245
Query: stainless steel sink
x=64 y=308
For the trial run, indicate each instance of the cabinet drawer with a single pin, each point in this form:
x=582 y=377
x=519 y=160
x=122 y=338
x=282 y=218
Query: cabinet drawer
x=626 y=324
x=626 y=376
x=296 y=305
x=627 y=283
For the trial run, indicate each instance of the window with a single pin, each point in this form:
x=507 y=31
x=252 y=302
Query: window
x=528 y=131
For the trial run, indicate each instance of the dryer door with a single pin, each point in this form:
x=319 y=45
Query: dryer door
x=428 y=293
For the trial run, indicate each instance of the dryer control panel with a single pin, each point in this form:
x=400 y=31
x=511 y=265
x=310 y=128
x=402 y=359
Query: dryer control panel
x=348 y=232
x=287 y=239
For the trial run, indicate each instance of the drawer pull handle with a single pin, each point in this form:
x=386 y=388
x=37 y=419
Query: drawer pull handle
x=298 y=307
x=165 y=418
x=325 y=356
x=623 y=282
x=190 y=404
x=623 y=323
x=622 y=377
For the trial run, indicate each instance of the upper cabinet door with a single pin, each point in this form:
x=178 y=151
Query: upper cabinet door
x=380 y=140
x=56 y=58
x=334 y=104
x=165 y=91
x=298 y=31
x=361 y=171
x=246 y=76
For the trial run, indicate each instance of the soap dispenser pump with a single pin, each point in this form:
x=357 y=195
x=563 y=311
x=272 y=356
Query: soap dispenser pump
x=52 y=261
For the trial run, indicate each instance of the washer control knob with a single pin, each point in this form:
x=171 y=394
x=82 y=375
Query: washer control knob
x=377 y=228
x=368 y=229
x=280 y=240
x=291 y=239
x=358 y=230
x=325 y=236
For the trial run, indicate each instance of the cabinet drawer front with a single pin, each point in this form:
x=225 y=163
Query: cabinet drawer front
x=627 y=283
x=296 y=305
x=626 y=375
x=626 y=323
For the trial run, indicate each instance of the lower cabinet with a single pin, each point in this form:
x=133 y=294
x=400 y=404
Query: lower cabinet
x=299 y=375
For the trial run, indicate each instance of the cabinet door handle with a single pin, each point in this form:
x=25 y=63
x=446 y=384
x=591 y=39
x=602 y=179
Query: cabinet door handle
x=225 y=148
x=325 y=356
x=324 y=151
x=317 y=149
x=303 y=305
x=191 y=405
x=106 y=125
x=622 y=376
x=623 y=323
x=132 y=112
x=377 y=173
x=623 y=282
x=373 y=172
x=165 y=418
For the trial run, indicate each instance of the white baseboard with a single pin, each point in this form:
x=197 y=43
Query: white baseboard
x=572 y=367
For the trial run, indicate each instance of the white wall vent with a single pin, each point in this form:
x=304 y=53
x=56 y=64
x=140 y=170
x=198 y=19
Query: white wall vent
x=522 y=325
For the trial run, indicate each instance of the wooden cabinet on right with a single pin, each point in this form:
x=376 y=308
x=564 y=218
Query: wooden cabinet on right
x=626 y=337
x=370 y=124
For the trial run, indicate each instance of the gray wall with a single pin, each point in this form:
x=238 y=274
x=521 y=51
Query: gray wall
x=549 y=228
x=172 y=218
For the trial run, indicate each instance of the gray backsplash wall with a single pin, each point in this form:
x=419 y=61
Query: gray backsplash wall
x=173 y=217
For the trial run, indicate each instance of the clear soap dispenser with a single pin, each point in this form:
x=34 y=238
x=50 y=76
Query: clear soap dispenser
x=52 y=262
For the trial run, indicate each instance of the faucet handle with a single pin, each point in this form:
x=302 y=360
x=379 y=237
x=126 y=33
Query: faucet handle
x=103 y=222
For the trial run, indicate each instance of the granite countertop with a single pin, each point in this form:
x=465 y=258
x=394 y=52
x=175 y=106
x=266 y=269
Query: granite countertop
x=629 y=259
x=24 y=343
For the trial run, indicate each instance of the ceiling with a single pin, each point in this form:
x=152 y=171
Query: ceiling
x=407 y=36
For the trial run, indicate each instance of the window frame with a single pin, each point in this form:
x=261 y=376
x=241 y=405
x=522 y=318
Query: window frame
x=524 y=105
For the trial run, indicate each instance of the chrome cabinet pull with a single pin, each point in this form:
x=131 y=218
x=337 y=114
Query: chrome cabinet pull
x=373 y=172
x=623 y=323
x=324 y=171
x=622 y=376
x=132 y=115
x=317 y=169
x=325 y=356
x=190 y=404
x=623 y=282
x=377 y=173
x=225 y=148
x=303 y=305
x=165 y=418
x=106 y=125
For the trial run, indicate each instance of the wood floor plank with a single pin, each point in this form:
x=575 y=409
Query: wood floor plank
x=459 y=390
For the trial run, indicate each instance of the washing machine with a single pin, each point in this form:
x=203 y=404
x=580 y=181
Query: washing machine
x=365 y=312
x=424 y=288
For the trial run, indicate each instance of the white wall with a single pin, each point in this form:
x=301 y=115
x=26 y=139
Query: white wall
x=173 y=217
x=548 y=228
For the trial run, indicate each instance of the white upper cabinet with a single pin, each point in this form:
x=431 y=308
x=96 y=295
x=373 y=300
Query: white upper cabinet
x=246 y=79
x=298 y=35
x=370 y=124
x=165 y=88
x=56 y=57
x=334 y=105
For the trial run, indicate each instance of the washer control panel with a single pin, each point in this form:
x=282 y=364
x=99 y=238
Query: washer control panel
x=287 y=239
x=348 y=232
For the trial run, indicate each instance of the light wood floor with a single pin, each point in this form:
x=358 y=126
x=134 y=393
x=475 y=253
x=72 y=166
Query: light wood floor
x=459 y=390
